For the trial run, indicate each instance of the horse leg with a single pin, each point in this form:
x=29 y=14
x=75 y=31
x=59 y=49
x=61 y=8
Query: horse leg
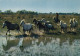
x=45 y=29
x=7 y=32
x=70 y=28
x=73 y=29
x=24 y=32
x=39 y=28
x=66 y=30
x=61 y=29
x=29 y=32
x=18 y=31
x=48 y=30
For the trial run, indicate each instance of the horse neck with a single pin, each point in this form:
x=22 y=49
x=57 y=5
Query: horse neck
x=61 y=23
x=23 y=23
x=35 y=21
x=71 y=22
x=74 y=20
x=8 y=25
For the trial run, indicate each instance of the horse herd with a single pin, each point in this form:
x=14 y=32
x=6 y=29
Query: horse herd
x=73 y=24
x=41 y=24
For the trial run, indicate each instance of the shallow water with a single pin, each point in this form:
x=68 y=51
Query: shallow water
x=41 y=46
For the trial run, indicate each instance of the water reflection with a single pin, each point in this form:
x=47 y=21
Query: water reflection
x=10 y=42
x=42 y=46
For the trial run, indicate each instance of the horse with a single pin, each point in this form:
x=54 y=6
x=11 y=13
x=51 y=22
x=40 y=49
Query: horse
x=40 y=21
x=73 y=24
x=35 y=21
x=63 y=26
x=11 y=26
x=45 y=21
x=39 y=24
x=48 y=26
x=26 y=26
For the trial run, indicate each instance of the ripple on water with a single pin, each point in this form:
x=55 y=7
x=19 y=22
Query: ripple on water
x=37 y=47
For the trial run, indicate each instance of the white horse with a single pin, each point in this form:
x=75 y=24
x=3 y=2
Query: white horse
x=73 y=24
x=63 y=26
x=26 y=26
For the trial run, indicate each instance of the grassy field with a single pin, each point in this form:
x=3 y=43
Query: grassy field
x=29 y=18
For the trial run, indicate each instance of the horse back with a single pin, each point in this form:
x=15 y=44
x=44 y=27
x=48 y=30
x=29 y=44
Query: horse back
x=27 y=26
x=13 y=27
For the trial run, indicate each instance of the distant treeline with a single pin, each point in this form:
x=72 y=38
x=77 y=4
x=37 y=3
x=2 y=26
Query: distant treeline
x=32 y=12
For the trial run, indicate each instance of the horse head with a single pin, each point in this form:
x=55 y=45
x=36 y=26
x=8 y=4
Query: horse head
x=74 y=20
x=60 y=22
x=71 y=21
x=22 y=22
x=43 y=20
x=34 y=20
x=6 y=23
x=3 y=25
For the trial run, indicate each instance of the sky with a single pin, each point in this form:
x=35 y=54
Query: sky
x=44 y=6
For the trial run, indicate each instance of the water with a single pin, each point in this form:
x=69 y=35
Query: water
x=41 y=46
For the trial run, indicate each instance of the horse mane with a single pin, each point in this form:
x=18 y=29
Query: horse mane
x=65 y=23
x=74 y=20
x=70 y=21
x=23 y=20
x=7 y=22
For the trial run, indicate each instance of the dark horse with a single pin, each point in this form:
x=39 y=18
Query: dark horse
x=39 y=24
x=43 y=25
x=11 y=26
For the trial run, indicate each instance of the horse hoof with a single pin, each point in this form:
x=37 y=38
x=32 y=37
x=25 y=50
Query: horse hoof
x=6 y=34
